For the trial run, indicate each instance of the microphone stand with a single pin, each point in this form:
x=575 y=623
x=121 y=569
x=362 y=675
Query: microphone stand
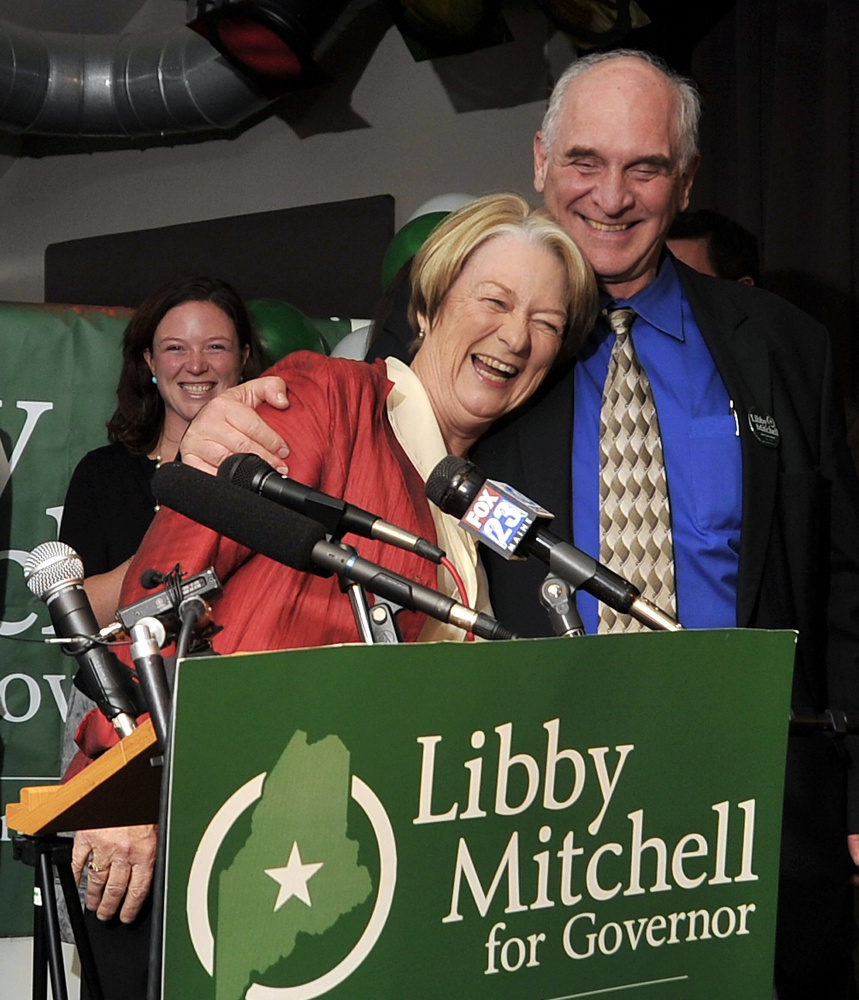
x=834 y=722
x=191 y=610
x=147 y=637
x=156 y=939
x=377 y=624
x=558 y=597
x=383 y=621
x=146 y=654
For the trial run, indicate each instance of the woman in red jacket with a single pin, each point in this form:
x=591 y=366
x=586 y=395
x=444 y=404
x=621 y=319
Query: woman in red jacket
x=499 y=294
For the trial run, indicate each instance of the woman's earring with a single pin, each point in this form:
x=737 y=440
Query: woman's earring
x=155 y=380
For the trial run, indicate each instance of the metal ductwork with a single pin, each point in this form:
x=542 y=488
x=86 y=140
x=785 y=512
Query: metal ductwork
x=131 y=86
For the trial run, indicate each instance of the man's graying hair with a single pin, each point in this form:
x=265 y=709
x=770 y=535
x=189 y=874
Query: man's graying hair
x=688 y=101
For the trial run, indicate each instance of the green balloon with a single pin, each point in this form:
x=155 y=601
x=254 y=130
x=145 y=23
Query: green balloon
x=283 y=329
x=407 y=242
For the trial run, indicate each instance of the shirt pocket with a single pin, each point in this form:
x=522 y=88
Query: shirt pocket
x=716 y=473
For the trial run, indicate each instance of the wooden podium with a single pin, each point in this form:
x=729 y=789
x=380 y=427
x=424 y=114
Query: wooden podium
x=120 y=788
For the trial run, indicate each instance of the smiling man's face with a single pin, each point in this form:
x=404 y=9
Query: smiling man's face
x=612 y=176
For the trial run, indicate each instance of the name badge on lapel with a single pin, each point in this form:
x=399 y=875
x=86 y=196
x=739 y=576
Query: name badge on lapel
x=764 y=427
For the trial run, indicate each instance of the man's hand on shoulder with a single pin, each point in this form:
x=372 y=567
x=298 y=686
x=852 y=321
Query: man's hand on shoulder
x=229 y=425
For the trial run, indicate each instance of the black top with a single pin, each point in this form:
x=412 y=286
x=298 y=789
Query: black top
x=109 y=506
x=396 y=335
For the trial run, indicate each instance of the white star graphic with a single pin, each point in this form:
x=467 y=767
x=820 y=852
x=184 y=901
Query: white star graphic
x=293 y=878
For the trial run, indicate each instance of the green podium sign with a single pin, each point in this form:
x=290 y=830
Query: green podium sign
x=540 y=819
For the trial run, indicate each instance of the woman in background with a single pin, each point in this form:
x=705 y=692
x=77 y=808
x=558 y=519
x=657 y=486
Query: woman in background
x=187 y=342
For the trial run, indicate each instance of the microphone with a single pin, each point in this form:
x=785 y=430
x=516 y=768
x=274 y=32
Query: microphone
x=151 y=578
x=508 y=522
x=147 y=637
x=298 y=542
x=250 y=520
x=252 y=473
x=165 y=604
x=54 y=573
x=834 y=721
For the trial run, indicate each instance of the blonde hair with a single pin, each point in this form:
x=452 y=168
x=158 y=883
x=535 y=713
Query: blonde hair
x=446 y=251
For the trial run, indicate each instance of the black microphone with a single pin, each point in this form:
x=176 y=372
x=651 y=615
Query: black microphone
x=54 y=573
x=252 y=473
x=508 y=522
x=298 y=542
x=834 y=721
x=250 y=520
x=151 y=578
x=165 y=603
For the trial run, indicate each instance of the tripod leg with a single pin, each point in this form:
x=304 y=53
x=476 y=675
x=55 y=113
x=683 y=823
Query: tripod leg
x=40 y=955
x=81 y=936
x=55 y=954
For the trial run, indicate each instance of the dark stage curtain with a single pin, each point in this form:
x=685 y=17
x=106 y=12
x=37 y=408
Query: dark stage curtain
x=780 y=151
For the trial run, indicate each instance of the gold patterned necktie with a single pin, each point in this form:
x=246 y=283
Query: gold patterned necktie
x=635 y=520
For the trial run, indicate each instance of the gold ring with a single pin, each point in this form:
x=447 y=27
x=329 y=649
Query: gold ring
x=93 y=867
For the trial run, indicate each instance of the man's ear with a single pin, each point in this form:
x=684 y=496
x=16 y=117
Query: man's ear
x=541 y=163
x=686 y=179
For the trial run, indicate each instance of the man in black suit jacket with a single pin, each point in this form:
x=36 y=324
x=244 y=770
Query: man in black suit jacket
x=797 y=570
x=615 y=161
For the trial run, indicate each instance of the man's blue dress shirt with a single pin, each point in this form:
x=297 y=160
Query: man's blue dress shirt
x=700 y=444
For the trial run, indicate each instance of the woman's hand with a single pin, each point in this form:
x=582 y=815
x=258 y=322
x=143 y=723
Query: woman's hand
x=229 y=425
x=119 y=863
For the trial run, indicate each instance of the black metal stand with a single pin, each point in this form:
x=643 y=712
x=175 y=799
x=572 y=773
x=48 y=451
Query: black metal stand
x=377 y=624
x=558 y=597
x=44 y=854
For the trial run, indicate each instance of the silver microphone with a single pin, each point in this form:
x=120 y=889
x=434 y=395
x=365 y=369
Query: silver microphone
x=54 y=573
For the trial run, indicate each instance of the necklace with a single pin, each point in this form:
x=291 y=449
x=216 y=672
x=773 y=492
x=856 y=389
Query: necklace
x=158 y=459
x=157 y=467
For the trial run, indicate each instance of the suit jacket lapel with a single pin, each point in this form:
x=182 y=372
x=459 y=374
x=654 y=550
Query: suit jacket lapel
x=743 y=359
x=532 y=449
x=546 y=449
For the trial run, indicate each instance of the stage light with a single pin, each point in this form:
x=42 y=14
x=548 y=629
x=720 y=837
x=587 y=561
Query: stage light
x=595 y=23
x=269 y=40
x=433 y=28
x=667 y=28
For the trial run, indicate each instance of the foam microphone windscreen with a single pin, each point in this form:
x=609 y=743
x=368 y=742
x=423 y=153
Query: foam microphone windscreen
x=245 y=517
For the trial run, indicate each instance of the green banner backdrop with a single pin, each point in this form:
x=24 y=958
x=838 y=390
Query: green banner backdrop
x=58 y=372
x=59 y=367
x=536 y=819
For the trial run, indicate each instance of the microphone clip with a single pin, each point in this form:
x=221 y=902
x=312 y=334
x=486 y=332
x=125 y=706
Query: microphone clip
x=167 y=603
x=377 y=624
x=558 y=597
